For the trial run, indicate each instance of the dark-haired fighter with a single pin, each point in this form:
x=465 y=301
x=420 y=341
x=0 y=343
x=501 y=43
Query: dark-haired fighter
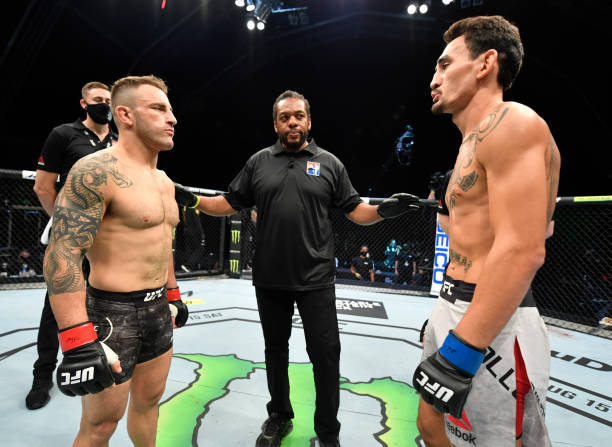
x=501 y=198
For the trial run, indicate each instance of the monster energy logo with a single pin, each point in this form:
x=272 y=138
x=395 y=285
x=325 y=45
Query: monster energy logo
x=235 y=236
x=234 y=263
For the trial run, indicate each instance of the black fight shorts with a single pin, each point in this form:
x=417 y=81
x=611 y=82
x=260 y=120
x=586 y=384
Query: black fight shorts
x=136 y=325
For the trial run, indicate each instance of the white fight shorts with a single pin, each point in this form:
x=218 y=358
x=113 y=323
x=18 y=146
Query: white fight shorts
x=490 y=414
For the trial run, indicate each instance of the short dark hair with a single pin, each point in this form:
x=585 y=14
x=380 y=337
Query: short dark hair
x=484 y=33
x=93 y=84
x=289 y=94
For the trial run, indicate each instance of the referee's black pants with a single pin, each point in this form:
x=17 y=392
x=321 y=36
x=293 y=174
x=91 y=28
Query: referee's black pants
x=318 y=313
x=47 y=343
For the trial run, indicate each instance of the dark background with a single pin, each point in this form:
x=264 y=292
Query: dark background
x=365 y=66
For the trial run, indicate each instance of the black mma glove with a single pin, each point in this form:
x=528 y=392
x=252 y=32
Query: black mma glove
x=184 y=197
x=85 y=367
x=444 y=379
x=441 y=193
x=180 y=311
x=398 y=204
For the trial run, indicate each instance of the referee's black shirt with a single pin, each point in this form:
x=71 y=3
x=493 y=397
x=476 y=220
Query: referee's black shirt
x=294 y=194
x=68 y=143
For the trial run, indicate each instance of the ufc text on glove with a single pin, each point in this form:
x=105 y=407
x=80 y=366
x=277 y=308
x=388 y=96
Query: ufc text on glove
x=444 y=379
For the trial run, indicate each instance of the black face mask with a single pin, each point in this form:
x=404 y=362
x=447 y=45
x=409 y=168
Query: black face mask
x=100 y=113
x=364 y=253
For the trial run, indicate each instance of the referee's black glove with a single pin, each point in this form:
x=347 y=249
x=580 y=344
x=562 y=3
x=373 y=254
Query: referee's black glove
x=184 y=197
x=398 y=204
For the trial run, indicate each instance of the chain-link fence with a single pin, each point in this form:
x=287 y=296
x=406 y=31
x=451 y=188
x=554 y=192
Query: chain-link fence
x=573 y=289
x=22 y=221
x=575 y=284
x=199 y=245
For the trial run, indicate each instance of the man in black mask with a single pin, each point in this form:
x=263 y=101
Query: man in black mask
x=65 y=145
x=362 y=266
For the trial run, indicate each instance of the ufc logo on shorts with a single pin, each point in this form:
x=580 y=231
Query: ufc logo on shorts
x=150 y=296
x=447 y=286
x=81 y=375
x=439 y=392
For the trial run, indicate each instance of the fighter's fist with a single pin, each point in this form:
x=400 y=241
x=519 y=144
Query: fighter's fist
x=85 y=367
x=178 y=309
x=398 y=204
x=445 y=378
x=184 y=197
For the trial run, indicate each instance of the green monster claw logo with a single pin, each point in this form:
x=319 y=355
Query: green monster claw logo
x=180 y=415
x=235 y=236
x=234 y=264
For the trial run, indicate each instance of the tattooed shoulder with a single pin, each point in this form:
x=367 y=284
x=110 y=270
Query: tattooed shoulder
x=100 y=169
x=489 y=124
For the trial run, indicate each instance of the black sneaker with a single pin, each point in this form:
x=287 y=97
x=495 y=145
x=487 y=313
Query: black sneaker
x=273 y=430
x=332 y=443
x=38 y=396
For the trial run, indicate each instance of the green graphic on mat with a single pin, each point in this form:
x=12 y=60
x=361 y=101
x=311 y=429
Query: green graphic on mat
x=399 y=407
x=180 y=416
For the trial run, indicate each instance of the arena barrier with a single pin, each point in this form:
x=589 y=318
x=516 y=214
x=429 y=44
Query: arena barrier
x=199 y=243
x=573 y=289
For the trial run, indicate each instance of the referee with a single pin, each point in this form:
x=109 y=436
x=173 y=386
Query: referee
x=295 y=184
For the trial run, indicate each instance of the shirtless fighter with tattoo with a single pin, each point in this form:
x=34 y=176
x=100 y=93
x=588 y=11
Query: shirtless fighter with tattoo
x=485 y=366
x=118 y=209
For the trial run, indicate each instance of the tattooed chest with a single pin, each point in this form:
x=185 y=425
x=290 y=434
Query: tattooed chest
x=466 y=174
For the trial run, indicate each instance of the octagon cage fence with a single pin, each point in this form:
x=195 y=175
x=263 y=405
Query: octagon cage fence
x=573 y=289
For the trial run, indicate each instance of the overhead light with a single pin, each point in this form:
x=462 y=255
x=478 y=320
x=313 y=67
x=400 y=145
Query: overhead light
x=263 y=10
x=412 y=8
x=250 y=6
x=239 y=3
x=261 y=26
x=423 y=8
x=446 y=2
x=251 y=22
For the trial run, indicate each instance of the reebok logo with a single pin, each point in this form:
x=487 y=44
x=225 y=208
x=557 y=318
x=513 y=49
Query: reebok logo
x=434 y=388
x=464 y=422
x=467 y=437
x=80 y=375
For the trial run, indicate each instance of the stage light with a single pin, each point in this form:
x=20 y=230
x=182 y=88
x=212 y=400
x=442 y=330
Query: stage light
x=412 y=8
x=423 y=8
x=447 y=2
x=250 y=23
x=259 y=12
x=239 y=3
x=263 y=10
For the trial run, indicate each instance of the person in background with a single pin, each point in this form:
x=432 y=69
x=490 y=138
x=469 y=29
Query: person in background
x=362 y=267
x=65 y=145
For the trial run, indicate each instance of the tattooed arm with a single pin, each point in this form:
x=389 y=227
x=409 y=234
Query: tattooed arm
x=77 y=214
x=514 y=158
